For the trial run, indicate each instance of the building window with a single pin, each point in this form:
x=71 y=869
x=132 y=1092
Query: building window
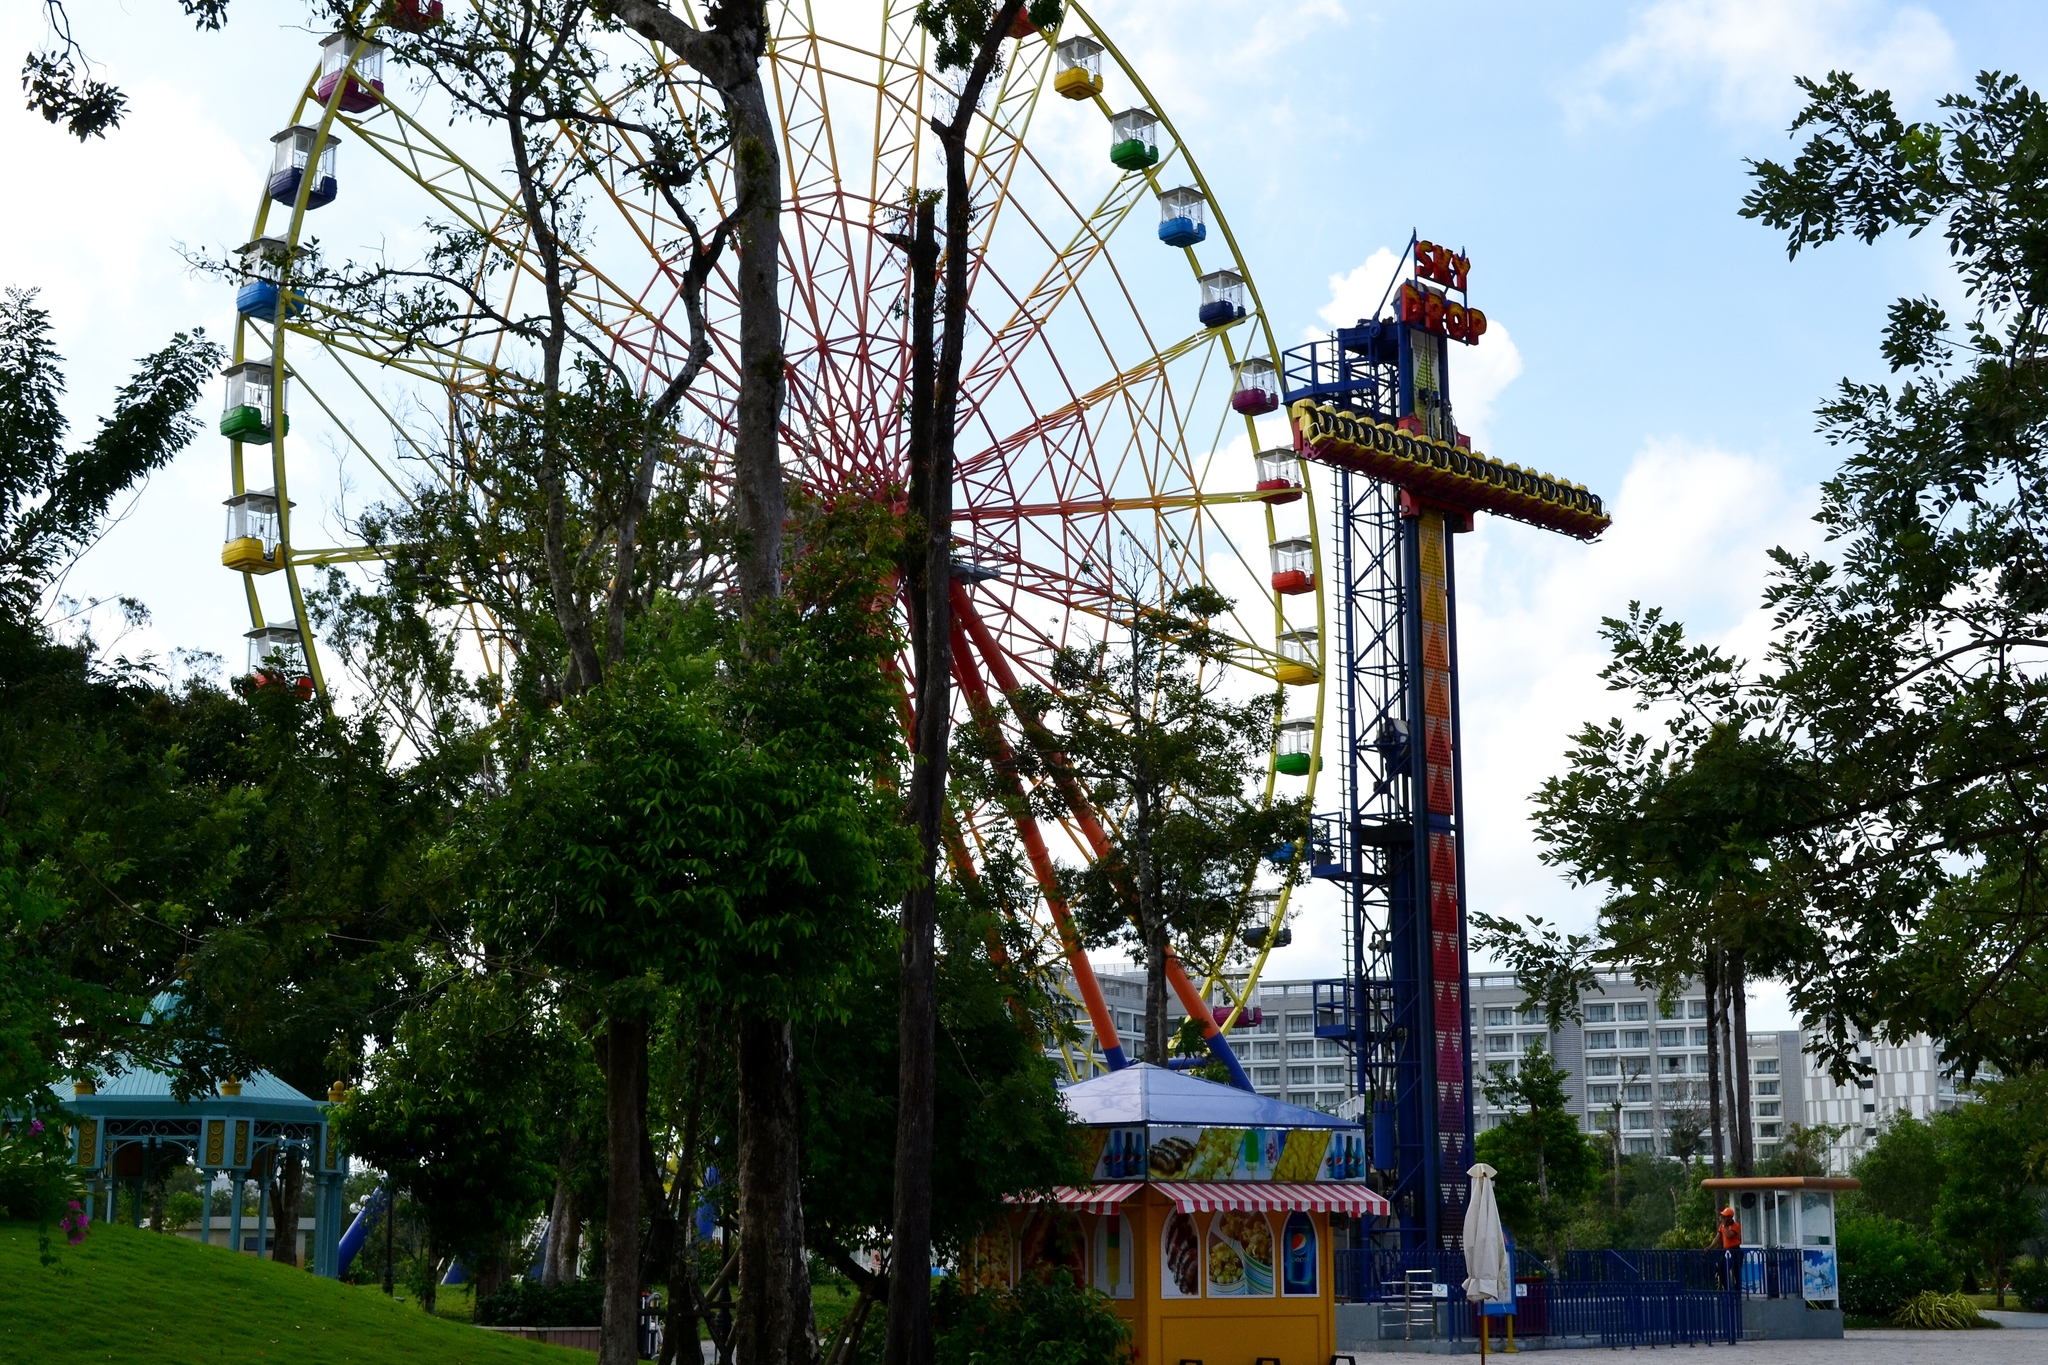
x=1767 y=1130
x=1632 y=1010
x=1670 y=1037
x=1765 y=1066
x=1301 y=1023
x=1641 y=1146
x=1599 y=1014
x=1301 y=1075
x=1596 y=1123
x=1699 y=1064
x=1696 y=1009
x=1636 y=1120
x=1267 y=1075
x=1531 y=1015
x=1500 y=1042
x=1674 y=1010
x=1673 y=1092
x=1869 y=1108
x=1301 y=1049
x=1305 y=1098
x=1538 y=1041
x=1766 y=1087
x=1330 y=1075
x=1599 y=1038
x=1671 y=1066
x=1264 y=1051
x=1499 y=1018
x=1123 y=1020
x=1636 y=1094
x=1601 y=1066
x=1329 y=1047
x=1635 y=1037
x=1601 y=1094
x=1699 y=1037
x=1330 y=1099
x=1767 y=1110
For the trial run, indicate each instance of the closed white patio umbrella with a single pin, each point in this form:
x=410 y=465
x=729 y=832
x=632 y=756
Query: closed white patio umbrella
x=1488 y=1275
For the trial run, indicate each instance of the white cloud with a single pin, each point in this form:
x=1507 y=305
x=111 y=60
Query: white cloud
x=1357 y=294
x=1743 y=54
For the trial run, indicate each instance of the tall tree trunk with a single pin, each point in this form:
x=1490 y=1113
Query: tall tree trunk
x=625 y=1062
x=1727 y=1078
x=774 y=1325
x=427 y=1299
x=1713 y=985
x=684 y=1293
x=1745 y=1127
x=285 y=1194
x=909 y=1330
x=559 y=1264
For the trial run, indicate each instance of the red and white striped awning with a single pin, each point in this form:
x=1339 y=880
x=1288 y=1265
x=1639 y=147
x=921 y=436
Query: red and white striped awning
x=1086 y=1198
x=1197 y=1197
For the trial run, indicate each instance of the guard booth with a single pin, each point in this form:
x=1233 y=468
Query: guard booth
x=1209 y=1221
x=1791 y=1272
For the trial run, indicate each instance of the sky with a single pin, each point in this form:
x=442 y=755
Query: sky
x=1590 y=158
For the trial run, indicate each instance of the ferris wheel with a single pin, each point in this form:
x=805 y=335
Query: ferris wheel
x=1107 y=451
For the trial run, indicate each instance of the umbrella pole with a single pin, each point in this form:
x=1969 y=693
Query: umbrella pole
x=1482 y=1329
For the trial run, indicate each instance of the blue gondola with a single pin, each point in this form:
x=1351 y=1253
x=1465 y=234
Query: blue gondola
x=1181 y=212
x=288 y=163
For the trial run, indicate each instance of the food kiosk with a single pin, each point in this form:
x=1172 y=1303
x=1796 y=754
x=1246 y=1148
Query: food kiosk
x=1208 y=1221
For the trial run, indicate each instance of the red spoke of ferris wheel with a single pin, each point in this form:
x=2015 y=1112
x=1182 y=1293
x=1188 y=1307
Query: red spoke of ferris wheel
x=1043 y=871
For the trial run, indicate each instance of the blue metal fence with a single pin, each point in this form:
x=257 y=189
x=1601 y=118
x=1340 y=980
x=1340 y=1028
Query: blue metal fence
x=1623 y=1298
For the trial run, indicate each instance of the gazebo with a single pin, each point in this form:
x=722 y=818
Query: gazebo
x=1207 y=1222
x=239 y=1132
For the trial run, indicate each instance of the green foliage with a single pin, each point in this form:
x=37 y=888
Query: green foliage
x=1546 y=1166
x=181 y=1210
x=960 y=27
x=53 y=500
x=1884 y=1263
x=1986 y=1208
x=1933 y=1310
x=1899 y=1172
x=1803 y=1150
x=1000 y=1126
x=529 y=1303
x=451 y=1113
x=1047 y=1321
x=2030 y=1284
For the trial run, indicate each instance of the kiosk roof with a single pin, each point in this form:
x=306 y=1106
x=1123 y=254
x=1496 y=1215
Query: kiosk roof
x=1152 y=1094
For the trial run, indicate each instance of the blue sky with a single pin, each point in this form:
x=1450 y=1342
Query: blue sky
x=1648 y=341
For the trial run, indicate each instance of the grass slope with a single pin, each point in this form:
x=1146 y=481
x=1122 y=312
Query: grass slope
x=133 y=1295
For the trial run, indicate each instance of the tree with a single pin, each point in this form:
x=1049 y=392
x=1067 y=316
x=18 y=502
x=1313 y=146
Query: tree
x=1803 y=1150
x=448 y=1114
x=1546 y=1165
x=969 y=39
x=59 y=81
x=1148 y=737
x=1905 y=658
x=998 y=1126
x=1988 y=1207
x=1900 y=1172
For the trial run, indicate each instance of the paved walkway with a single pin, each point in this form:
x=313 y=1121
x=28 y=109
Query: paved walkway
x=1900 y=1348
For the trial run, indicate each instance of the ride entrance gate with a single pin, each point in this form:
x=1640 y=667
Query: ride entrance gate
x=1373 y=403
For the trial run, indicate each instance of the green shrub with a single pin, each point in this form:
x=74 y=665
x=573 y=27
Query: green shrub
x=529 y=1303
x=1040 y=1322
x=1939 y=1312
x=37 y=1180
x=2029 y=1284
x=181 y=1210
x=1884 y=1263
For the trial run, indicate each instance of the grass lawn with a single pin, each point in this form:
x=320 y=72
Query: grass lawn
x=133 y=1295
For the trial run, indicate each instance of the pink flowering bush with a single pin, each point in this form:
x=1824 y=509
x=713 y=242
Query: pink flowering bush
x=39 y=1184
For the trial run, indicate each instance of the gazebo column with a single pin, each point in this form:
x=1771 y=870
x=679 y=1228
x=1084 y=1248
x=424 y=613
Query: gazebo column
x=205 y=1207
x=263 y=1204
x=235 y=1213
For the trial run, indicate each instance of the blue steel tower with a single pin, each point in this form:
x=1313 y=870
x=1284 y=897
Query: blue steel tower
x=1373 y=403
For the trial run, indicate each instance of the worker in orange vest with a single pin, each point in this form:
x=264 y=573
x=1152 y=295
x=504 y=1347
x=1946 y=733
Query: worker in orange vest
x=1727 y=1236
